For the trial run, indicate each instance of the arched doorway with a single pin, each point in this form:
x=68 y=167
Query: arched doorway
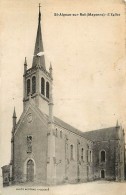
x=102 y=174
x=30 y=170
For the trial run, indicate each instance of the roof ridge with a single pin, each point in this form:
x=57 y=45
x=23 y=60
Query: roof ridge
x=68 y=124
x=69 y=127
x=95 y=130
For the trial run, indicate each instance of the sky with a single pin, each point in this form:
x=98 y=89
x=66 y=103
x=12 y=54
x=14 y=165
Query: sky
x=87 y=54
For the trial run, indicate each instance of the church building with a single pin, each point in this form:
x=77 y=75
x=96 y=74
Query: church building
x=47 y=151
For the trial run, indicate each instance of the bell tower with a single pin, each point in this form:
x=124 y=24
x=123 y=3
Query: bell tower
x=37 y=80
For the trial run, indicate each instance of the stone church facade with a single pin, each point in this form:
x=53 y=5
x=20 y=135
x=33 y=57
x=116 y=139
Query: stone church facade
x=46 y=150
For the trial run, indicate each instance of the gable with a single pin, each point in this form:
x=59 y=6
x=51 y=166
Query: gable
x=29 y=117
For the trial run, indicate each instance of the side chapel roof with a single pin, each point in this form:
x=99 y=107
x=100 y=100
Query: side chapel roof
x=110 y=133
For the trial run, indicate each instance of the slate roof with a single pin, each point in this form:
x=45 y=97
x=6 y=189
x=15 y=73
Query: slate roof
x=61 y=123
x=110 y=133
x=95 y=135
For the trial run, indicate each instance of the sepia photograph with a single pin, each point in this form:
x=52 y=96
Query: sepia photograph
x=63 y=89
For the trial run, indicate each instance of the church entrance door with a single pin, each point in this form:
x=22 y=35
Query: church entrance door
x=30 y=170
x=102 y=174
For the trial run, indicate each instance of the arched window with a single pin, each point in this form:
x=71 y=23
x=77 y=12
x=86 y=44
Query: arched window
x=47 y=90
x=33 y=84
x=82 y=154
x=87 y=156
x=71 y=152
x=102 y=174
x=42 y=86
x=103 y=156
x=29 y=144
x=60 y=134
x=90 y=156
x=28 y=86
x=30 y=170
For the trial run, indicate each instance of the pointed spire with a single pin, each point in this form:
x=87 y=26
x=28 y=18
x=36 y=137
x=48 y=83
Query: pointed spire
x=117 y=124
x=39 y=58
x=14 y=113
x=14 y=120
x=25 y=65
x=50 y=69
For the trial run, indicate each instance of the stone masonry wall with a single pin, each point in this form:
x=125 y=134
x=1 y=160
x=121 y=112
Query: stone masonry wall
x=38 y=131
x=72 y=170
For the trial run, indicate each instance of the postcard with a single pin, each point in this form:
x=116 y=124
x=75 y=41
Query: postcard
x=63 y=88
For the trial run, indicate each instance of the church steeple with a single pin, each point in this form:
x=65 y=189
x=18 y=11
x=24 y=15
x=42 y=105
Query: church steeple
x=38 y=80
x=39 y=58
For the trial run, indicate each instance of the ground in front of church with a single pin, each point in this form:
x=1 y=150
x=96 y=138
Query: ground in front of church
x=91 y=188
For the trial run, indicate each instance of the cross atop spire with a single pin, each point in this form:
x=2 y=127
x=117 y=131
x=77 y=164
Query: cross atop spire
x=39 y=6
x=39 y=12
